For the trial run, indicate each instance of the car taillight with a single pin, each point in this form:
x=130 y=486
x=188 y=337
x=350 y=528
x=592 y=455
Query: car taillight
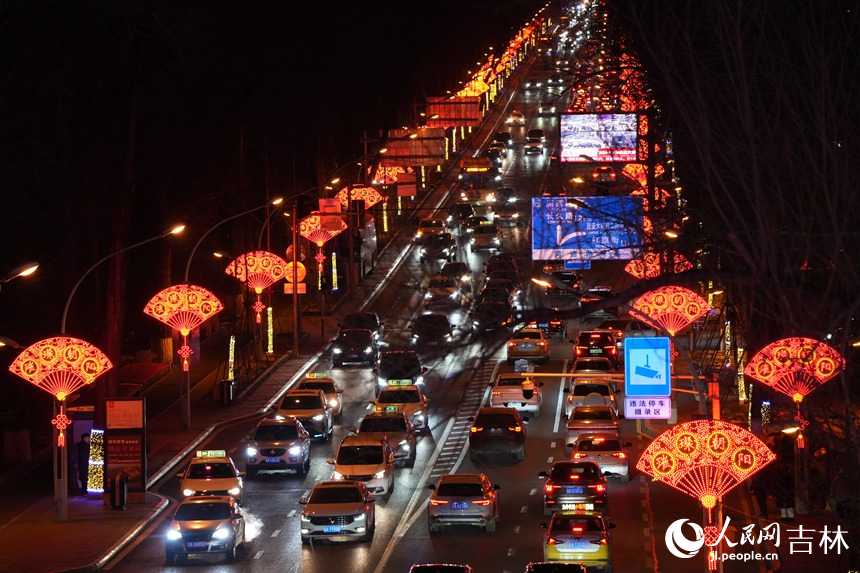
x=595 y=335
x=475 y=429
x=549 y=488
x=601 y=541
x=511 y=343
x=541 y=343
x=611 y=349
x=579 y=455
x=579 y=350
x=482 y=502
x=620 y=455
x=554 y=541
x=577 y=529
x=600 y=488
x=515 y=429
x=618 y=334
x=574 y=477
x=496 y=393
x=438 y=502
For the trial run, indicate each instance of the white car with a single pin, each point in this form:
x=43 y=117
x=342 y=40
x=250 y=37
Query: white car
x=516 y=118
x=585 y=392
x=519 y=391
x=367 y=459
x=486 y=237
x=211 y=472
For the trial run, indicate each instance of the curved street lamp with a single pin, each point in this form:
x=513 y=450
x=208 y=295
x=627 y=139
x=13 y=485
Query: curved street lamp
x=24 y=270
x=172 y=231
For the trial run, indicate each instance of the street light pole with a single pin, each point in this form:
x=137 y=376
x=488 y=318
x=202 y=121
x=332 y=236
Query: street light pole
x=296 y=323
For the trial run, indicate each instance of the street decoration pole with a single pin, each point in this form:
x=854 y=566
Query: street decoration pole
x=319 y=229
x=184 y=307
x=705 y=459
x=259 y=270
x=61 y=366
x=795 y=367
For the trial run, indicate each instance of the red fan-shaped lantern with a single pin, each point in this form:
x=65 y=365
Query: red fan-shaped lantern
x=369 y=195
x=704 y=458
x=672 y=307
x=312 y=228
x=259 y=270
x=184 y=308
x=648 y=266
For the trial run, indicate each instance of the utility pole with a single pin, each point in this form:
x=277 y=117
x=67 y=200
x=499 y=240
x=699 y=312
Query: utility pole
x=296 y=319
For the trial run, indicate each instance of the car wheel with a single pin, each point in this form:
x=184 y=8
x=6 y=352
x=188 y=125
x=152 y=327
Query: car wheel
x=473 y=456
x=410 y=462
x=306 y=540
x=491 y=526
x=390 y=489
x=169 y=559
x=537 y=413
x=368 y=535
x=232 y=553
x=521 y=454
x=252 y=472
x=306 y=467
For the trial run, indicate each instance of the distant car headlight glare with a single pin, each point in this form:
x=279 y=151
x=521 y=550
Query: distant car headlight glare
x=251 y=451
x=174 y=534
x=221 y=533
x=234 y=490
x=188 y=492
x=295 y=450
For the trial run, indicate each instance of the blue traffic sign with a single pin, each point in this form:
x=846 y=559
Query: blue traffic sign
x=647 y=366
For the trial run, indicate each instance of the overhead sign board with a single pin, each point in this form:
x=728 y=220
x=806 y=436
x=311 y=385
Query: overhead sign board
x=603 y=137
x=647 y=367
x=586 y=228
x=648 y=408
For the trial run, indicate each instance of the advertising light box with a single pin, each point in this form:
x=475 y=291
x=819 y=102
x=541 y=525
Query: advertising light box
x=586 y=228
x=601 y=137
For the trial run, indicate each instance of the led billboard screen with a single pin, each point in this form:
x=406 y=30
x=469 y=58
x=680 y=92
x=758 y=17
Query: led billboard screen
x=601 y=137
x=586 y=228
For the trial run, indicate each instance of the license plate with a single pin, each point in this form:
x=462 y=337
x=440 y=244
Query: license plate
x=527 y=345
x=571 y=490
x=579 y=544
x=577 y=506
x=543 y=325
x=352 y=355
x=331 y=528
x=197 y=544
x=459 y=505
x=272 y=460
x=595 y=351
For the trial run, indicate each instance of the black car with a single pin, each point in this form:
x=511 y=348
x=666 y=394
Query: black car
x=505 y=137
x=509 y=275
x=431 y=330
x=595 y=297
x=564 y=283
x=595 y=343
x=495 y=155
x=500 y=262
x=496 y=294
x=354 y=346
x=459 y=212
x=441 y=247
x=549 y=320
x=400 y=367
x=492 y=315
x=470 y=223
x=497 y=431
x=368 y=320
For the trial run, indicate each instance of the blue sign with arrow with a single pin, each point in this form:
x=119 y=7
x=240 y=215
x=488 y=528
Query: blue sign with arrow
x=647 y=366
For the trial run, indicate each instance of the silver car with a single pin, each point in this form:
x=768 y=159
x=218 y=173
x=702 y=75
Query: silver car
x=585 y=392
x=396 y=428
x=338 y=509
x=278 y=445
x=518 y=391
x=463 y=499
x=609 y=452
x=592 y=420
x=365 y=459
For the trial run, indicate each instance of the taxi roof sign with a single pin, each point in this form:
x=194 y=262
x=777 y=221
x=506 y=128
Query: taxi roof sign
x=400 y=382
x=211 y=453
x=316 y=375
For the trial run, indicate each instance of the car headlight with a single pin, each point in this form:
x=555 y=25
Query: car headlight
x=423 y=251
x=418 y=233
x=404 y=444
x=304 y=518
x=368 y=350
x=318 y=418
x=251 y=451
x=446 y=251
x=472 y=241
x=295 y=450
x=379 y=474
x=174 y=534
x=337 y=350
x=455 y=295
x=515 y=216
x=333 y=402
x=278 y=417
x=234 y=491
x=188 y=492
x=382 y=381
x=359 y=517
x=419 y=380
x=466 y=278
x=428 y=296
x=336 y=475
x=222 y=533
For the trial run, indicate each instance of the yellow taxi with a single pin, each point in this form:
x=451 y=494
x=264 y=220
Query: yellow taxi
x=406 y=398
x=322 y=381
x=581 y=537
x=211 y=472
x=528 y=343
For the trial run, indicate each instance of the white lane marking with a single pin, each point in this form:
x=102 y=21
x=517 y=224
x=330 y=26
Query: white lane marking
x=559 y=408
x=552 y=445
x=524 y=509
x=533 y=491
x=258 y=554
x=549 y=460
x=276 y=533
x=517 y=529
x=291 y=513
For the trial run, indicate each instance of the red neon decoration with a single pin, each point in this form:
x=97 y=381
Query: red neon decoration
x=648 y=267
x=311 y=228
x=184 y=308
x=61 y=422
x=369 y=195
x=672 y=307
x=60 y=365
x=704 y=458
x=260 y=270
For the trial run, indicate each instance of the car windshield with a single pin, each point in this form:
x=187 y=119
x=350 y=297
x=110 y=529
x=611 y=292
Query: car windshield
x=456 y=270
x=495 y=421
x=279 y=433
x=383 y=424
x=327 y=387
x=367 y=321
x=454 y=489
x=432 y=322
x=430 y=224
x=203 y=511
x=359 y=455
x=301 y=403
x=336 y=495
x=601 y=414
x=437 y=240
x=486 y=230
x=614 y=324
x=586 y=389
x=398 y=396
x=575 y=524
x=525 y=335
x=211 y=471
x=595 y=339
x=400 y=367
x=592 y=365
x=446 y=282
x=354 y=337
x=598 y=445
x=515 y=381
x=567 y=471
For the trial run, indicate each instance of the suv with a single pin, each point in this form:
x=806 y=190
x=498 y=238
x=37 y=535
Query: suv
x=204 y=525
x=487 y=236
x=622 y=328
x=595 y=343
x=519 y=391
x=368 y=320
x=396 y=427
x=564 y=283
x=355 y=346
x=574 y=485
x=321 y=381
x=278 y=445
x=427 y=227
x=441 y=247
x=590 y=392
x=338 y=508
x=365 y=459
x=431 y=329
x=399 y=367
x=497 y=430
x=469 y=499
x=443 y=291
x=504 y=137
x=312 y=410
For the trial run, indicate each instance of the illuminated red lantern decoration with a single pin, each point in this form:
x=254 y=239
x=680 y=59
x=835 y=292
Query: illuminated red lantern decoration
x=183 y=307
x=312 y=228
x=704 y=459
x=648 y=266
x=60 y=366
x=795 y=367
x=259 y=270
x=369 y=195
x=672 y=307
x=387 y=174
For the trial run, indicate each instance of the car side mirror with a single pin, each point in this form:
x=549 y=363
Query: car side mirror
x=628 y=445
x=566 y=390
x=369 y=499
x=242 y=474
x=610 y=525
x=303 y=500
x=375 y=370
x=304 y=435
x=525 y=420
x=543 y=475
x=330 y=461
x=572 y=341
x=497 y=487
x=180 y=475
x=431 y=486
x=424 y=370
x=371 y=401
x=568 y=445
x=339 y=391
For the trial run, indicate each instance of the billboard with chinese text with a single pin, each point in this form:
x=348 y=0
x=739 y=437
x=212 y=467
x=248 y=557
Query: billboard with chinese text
x=601 y=137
